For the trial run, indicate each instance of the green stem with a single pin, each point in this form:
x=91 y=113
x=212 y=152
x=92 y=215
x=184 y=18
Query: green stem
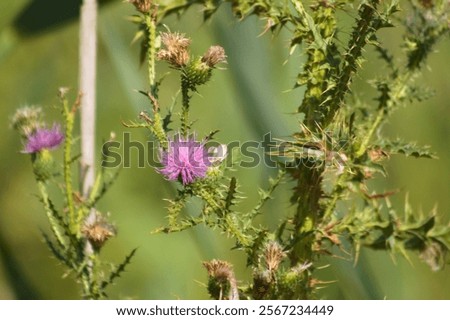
x=227 y=223
x=54 y=223
x=69 y=121
x=386 y=104
x=365 y=144
x=365 y=27
x=337 y=192
x=185 y=108
x=151 y=29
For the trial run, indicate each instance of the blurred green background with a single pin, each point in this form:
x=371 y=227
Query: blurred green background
x=39 y=53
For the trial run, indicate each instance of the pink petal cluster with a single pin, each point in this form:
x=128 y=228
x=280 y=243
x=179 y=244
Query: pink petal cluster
x=44 y=138
x=185 y=159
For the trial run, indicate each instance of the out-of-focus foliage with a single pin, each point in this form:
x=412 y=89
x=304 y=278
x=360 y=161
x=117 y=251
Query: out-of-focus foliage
x=248 y=98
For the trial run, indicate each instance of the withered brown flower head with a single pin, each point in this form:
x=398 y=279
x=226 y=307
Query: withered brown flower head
x=98 y=231
x=143 y=6
x=273 y=255
x=27 y=120
x=218 y=269
x=434 y=255
x=176 y=49
x=214 y=55
x=174 y=40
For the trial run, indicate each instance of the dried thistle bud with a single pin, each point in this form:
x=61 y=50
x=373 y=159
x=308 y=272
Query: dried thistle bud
x=98 y=230
x=218 y=269
x=274 y=255
x=62 y=91
x=142 y=6
x=262 y=282
x=434 y=255
x=177 y=59
x=222 y=283
x=176 y=49
x=174 y=41
x=27 y=120
x=214 y=55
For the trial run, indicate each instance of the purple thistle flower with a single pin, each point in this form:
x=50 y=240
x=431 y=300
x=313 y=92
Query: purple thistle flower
x=185 y=159
x=44 y=138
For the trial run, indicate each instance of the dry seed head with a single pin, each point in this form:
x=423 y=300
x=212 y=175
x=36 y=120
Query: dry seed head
x=214 y=55
x=218 y=269
x=143 y=6
x=98 y=231
x=174 y=40
x=434 y=255
x=176 y=49
x=27 y=120
x=177 y=58
x=273 y=255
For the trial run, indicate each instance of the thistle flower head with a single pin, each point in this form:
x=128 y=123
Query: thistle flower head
x=43 y=138
x=185 y=159
x=214 y=55
x=222 y=282
x=143 y=6
x=176 y=49
x=174 y=40
x=98 y=230
x=218 y=269
x=27 y=120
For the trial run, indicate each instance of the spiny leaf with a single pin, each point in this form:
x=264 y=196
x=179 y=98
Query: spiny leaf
x=133 y=124
x=231 y=194
x=56 y=251
x=96 y=194
x=118 y=270
x=265 y=195
x=55 y=220
x=409 y=149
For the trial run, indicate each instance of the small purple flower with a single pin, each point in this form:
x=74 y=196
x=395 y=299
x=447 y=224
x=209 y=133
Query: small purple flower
x=44 y=138
x=185 y=159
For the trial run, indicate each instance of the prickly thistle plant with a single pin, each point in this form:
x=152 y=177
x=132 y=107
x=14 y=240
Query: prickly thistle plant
x=339 y=137
x=338 y=148
x=78 y=230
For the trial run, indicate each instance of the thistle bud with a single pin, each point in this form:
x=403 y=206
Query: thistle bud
x=214 y=55
x=175 y=49
x=27 y=120
x=196 y=73
x=98 y=230
x=43 y=165
x=222 y=282
x=142 y=6
x=38 y=144
x=262 y=282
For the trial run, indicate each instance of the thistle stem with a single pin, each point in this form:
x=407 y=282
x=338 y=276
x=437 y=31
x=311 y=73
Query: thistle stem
x=184 y=108
x=151 y=29
x=69 y=121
